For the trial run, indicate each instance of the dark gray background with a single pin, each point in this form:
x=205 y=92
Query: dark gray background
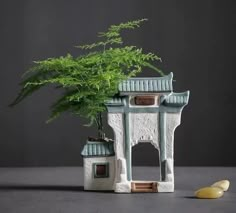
x=196 y=40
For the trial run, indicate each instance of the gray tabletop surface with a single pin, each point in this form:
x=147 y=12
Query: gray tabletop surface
x=60 y=189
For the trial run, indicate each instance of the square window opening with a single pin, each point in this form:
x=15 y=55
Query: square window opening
x=101 y=170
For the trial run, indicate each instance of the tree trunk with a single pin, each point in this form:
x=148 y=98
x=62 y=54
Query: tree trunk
x=101 y=134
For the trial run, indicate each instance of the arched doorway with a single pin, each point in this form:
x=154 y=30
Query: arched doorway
x=145 y=166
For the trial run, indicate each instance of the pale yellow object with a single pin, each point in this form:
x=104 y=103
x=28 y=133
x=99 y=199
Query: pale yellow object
x=223 y=184
x=209 y=193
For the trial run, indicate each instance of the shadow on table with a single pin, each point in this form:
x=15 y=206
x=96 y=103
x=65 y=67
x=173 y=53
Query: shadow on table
x=30 y=187
x=191 y=197
x=41 y=187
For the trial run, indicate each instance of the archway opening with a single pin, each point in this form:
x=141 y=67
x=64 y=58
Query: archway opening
x=145 y=162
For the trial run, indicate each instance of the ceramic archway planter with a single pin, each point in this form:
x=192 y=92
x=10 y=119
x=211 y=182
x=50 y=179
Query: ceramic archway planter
x=145 y=111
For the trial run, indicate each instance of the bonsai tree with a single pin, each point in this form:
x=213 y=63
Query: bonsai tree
x=89 y=80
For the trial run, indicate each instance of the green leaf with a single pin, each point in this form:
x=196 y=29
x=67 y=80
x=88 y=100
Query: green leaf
x=89 y=80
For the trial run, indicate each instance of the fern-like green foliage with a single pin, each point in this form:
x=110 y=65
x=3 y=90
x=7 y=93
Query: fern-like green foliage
x=91 y=79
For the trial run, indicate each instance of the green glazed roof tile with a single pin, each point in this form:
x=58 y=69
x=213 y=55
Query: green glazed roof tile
x=98 y=149
x=155 y=84
x=177 y=99
x=118 y=101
